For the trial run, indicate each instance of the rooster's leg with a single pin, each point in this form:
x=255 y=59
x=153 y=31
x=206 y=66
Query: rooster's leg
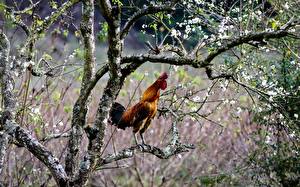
x=143 y=140
x=135 y=139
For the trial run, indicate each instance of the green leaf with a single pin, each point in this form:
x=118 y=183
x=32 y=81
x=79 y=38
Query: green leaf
x=197 y=81
x=138 y=76
x=153 y=26
x=68 y=109
x=39 y=22
x=123 y=93
x=65 y=33
x=117 y=2
x=79 y=53
x=56 y=96
x=182 y=73
x=53 y=5
x=102 y=35
x=274 y=24
x=47 y=57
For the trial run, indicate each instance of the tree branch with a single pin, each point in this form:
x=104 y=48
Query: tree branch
x=7 y=85
x=38 y=150
x=6 y=80
x=179 y=61
x=80 y=108
x=55 y=136
x=3 y=147
x=96 y=132
x=92 y=83
x=164 y=153
x=106 y=10
x=173 y=148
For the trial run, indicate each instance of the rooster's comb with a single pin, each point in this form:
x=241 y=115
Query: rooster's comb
x=164 y=75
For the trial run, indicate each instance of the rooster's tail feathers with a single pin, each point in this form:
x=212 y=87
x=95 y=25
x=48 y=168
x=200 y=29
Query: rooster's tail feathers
x=116 y=115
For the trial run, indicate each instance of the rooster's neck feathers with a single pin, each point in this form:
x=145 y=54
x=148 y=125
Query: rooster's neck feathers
x=152 y=92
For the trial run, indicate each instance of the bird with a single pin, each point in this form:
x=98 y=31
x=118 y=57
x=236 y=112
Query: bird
x=140 y=115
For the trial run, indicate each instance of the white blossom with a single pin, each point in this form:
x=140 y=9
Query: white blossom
x=36 y=110
x=286 y=5
x=264 y=83
x=196 y=99
x=238 y=110
x=28 y=63
x=271 y=92
x=268 y=139
x=173 y=32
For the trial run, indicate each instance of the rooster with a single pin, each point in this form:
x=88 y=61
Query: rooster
x=140 y=115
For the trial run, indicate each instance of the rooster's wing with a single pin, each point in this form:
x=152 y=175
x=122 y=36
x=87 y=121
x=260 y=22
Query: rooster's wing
x=142 y=111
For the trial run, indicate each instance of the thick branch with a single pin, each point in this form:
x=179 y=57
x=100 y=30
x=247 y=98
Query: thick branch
x=3 y=147
x=92 y=83
x=80 y=108
x=6 y=80
x=143 y=12
x=179 y=61
x=106 y=10
x=7 y=85
x=38 y=150
x=96 y=132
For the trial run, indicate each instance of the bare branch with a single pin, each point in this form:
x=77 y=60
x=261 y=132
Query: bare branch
x=32 y=6
x=92 y=83
x=179 y=51
x=55 y=136
x=164 y=153
x=173 y=148
x=6 y=80
x=7 y=85
x=106 y=10
x=20 y=23
x=179 y=61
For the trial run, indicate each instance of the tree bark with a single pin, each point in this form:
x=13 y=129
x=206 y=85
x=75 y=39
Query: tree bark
x=80 y=108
